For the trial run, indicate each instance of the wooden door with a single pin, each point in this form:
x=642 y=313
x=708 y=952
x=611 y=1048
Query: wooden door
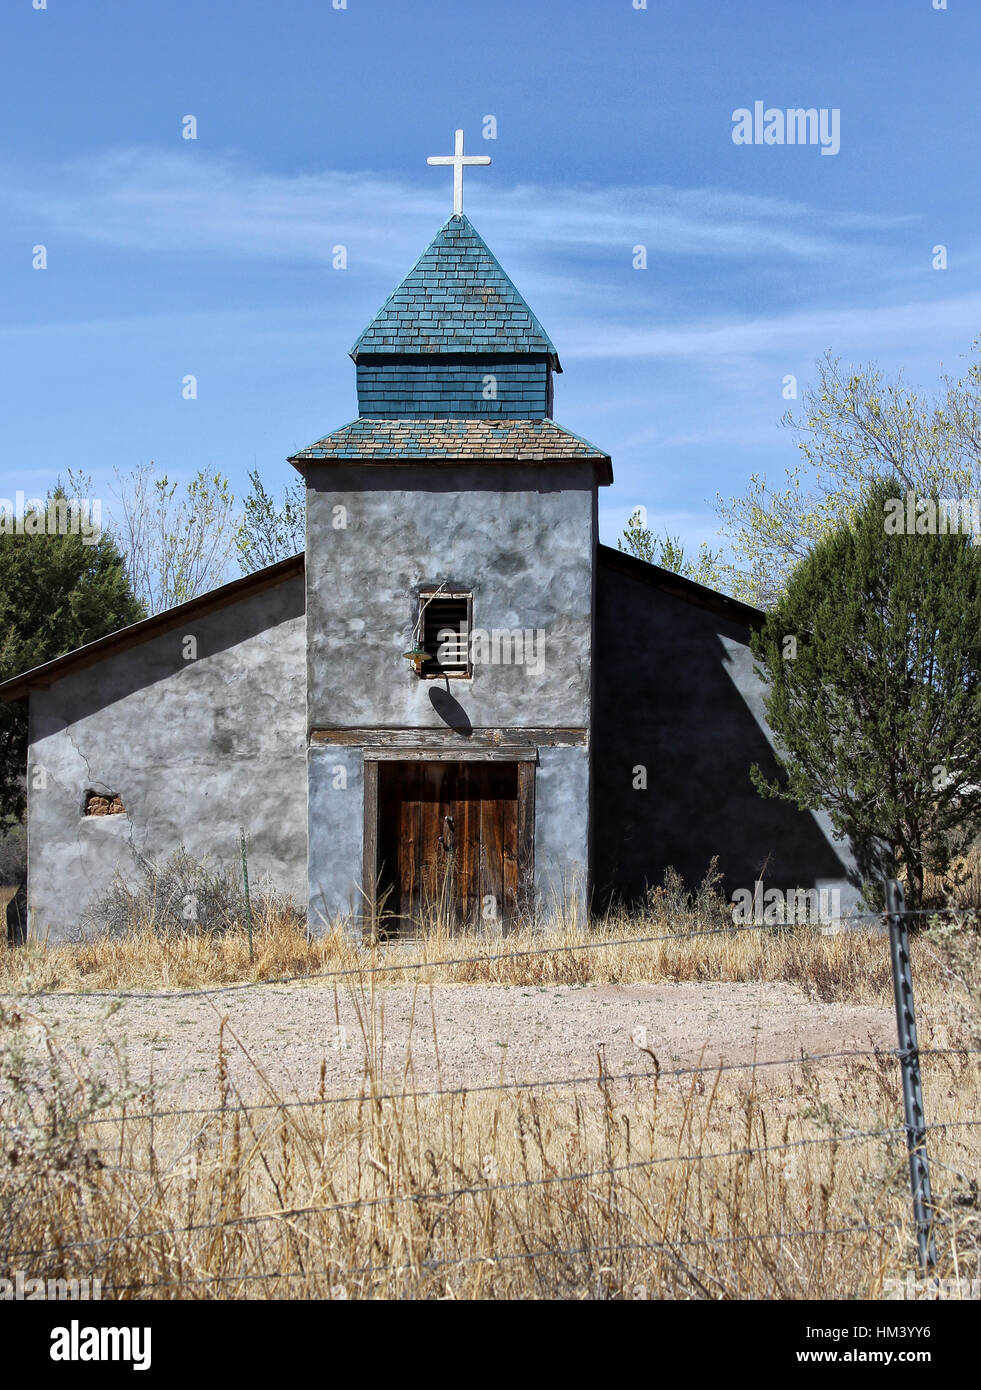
x=447 y=845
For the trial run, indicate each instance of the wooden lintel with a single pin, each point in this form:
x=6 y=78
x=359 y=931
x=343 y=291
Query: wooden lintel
x=499 y=753
x=450 y=742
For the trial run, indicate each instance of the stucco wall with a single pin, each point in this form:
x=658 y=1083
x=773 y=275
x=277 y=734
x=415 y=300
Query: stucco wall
x=561 y=832
x=520 y=537
x=336 y=828
x=676 y=693
x=194 y=748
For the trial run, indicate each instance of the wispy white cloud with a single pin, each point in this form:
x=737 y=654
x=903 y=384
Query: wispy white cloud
x=926 y=324
x=193 y=205
x=681 y=221
x=144 y=199
x=157 y=202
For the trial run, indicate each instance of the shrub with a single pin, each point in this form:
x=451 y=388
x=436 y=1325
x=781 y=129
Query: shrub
x=180 y=897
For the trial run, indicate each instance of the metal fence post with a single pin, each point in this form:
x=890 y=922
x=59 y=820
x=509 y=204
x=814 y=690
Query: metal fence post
x=909 y=1058
x=248 y=900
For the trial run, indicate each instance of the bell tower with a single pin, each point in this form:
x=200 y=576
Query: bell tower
x=450 y=559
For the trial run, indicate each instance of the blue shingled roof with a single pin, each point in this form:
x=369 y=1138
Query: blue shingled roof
x=456 y=298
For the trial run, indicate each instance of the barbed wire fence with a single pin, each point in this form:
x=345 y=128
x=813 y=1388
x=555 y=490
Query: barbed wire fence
x=600 y=943
x=914 y=1131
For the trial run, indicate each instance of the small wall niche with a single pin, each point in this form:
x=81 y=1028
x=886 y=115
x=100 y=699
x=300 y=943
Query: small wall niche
x=102 y=804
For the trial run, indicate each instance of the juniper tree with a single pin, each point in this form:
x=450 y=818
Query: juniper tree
x=57 y=592
x=873 y=662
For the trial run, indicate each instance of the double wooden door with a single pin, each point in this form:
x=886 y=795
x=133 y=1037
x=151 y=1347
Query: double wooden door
x=448 y=845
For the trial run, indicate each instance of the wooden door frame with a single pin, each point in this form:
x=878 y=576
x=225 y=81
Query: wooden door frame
x=526 y=758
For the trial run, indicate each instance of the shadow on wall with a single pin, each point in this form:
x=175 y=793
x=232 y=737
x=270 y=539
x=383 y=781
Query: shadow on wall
x=13 y=911
x=669 y=699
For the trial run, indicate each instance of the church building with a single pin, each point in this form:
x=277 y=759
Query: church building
x=455 y=702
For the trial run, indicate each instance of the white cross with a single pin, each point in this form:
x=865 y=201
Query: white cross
x=458 y=159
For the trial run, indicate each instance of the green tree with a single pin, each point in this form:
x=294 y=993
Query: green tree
x=854 y=427
x=267 y=533
x=57 y=592
x=872 y=658
x=668 y=552
x=178 y=541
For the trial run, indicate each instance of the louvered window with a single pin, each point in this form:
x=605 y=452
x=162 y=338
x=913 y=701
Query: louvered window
x=445 y=626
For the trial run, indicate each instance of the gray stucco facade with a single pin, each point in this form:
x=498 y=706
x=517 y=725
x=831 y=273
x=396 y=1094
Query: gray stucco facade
x=195 y=748
x=198 y=747
x=521 y=539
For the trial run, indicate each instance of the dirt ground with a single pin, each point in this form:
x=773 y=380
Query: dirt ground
x=450 y=1035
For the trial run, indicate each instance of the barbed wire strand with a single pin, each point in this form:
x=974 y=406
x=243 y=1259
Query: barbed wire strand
x=653 y=1246
x=542 y=1083
x=360 y=970
x=452 y=1194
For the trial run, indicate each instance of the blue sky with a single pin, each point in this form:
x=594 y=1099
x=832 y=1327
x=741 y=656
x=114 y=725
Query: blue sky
x=212 y=257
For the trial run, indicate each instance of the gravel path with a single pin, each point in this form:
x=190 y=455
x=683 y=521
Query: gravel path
x=483 y=1033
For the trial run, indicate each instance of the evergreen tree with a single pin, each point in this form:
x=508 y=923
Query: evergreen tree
x=57 y=592
x=855 y=426
x=873 y=662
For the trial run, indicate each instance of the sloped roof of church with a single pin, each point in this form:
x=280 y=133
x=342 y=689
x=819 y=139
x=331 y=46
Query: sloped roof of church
x=458 y=299
x=466 y=441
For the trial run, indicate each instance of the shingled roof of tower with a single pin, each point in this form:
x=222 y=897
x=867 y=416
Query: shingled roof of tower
x=367 y=440
x=456 y=298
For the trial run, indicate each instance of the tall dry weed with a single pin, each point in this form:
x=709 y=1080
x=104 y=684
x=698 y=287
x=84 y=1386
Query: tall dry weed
x=691 y=1187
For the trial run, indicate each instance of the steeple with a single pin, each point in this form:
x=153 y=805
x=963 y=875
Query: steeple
x=455 y=340
x=456 y=299
x=455 y=368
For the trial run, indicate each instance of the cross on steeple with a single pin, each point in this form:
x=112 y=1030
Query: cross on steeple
x=458 y=159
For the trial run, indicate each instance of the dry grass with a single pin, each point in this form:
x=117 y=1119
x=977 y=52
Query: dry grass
x=850 y=967
x=960 y=886
x=614 y=1191
x=661 y=1188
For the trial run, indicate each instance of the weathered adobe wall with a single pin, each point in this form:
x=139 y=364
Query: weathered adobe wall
x=194 y=749
x=676 y=692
